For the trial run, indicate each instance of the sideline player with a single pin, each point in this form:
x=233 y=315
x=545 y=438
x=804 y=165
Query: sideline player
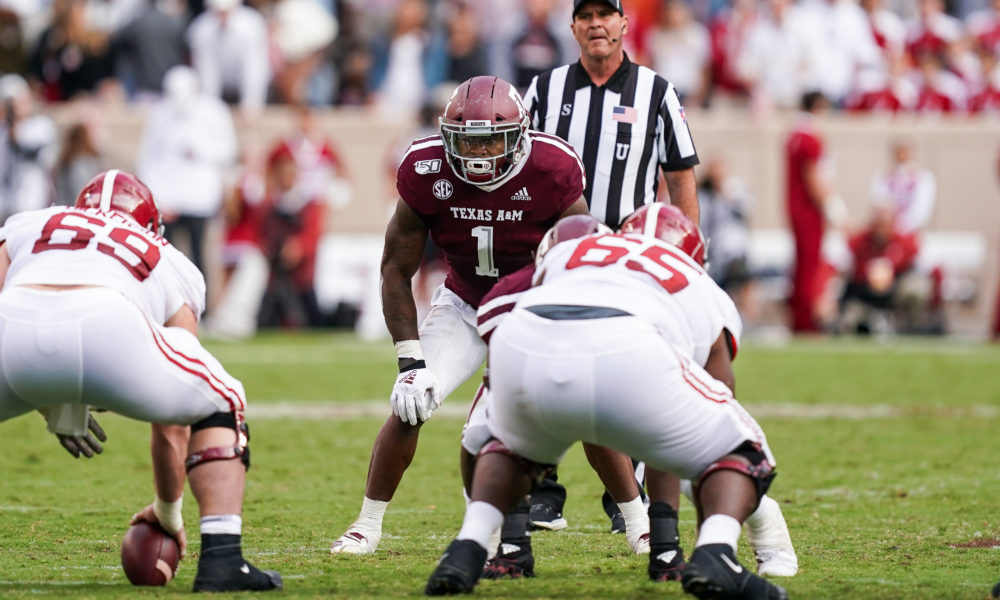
x=485 y=190
x=565 y=370
x=98 y=310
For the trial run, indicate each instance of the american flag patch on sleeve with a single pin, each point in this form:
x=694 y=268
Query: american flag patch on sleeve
x=624 y=114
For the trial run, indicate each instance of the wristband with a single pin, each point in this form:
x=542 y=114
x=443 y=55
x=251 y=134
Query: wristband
x=169 y=514
x=408 y=364
x=409 y=349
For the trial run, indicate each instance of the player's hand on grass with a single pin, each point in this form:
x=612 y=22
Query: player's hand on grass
x=415 y=395
x=87 y=444
x=172 y=524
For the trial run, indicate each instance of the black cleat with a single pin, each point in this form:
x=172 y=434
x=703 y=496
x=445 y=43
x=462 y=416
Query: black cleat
x=996 y=590
x=512 y=561
x=667 y=565
x=714 y=573
x=232 y=573
x=544 y=516
x=458 y=570
x=617 y=523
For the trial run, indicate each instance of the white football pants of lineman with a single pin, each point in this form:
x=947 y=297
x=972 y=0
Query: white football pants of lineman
x=614 y=382
x=94 y=347
x=450 y=342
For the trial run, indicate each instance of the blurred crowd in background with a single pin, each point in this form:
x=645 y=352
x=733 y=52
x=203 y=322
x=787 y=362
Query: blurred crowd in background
x=205 y=70
x=894 y=55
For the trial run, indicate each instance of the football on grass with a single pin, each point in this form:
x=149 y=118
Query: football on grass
x=149 y=554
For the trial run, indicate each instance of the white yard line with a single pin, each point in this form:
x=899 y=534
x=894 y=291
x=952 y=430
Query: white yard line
x=291 y=409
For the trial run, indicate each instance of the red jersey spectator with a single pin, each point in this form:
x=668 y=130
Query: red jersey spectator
x=291 y=225
x=986 y=99
x=984 y=27
x=727 y=31
x=807 y=194
x=932 y=30
x=245 y=269
x=885 y=90
x=321 y=172
x=941 y=91
x=877 y=289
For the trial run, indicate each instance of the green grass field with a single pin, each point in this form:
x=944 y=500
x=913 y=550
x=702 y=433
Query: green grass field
x=888 y=476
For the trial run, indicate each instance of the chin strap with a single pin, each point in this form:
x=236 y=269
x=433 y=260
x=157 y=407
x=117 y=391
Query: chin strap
x=241 y=450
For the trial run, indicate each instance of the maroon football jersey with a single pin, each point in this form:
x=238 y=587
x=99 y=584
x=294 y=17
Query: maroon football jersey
x=486 y=232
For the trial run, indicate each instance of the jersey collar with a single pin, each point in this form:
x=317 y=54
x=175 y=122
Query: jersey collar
x=615 y=84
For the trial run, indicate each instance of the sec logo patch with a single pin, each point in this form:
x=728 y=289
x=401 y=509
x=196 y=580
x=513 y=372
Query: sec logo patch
x=442 y=189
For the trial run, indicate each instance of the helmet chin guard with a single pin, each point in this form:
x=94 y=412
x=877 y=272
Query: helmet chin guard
x=483 y=130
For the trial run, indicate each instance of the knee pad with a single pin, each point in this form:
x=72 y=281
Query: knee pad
x=240 y=450
x=759 y=470
x=535 y=471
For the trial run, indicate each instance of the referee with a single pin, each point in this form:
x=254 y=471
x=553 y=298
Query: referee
x=624 y=120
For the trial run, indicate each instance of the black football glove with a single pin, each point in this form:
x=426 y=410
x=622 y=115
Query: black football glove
x=88 y=444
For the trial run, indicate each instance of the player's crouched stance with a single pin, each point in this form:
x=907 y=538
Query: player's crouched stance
x=604 y=373
x=98 y=310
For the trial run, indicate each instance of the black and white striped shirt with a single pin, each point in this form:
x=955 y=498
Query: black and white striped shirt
x=622 y=130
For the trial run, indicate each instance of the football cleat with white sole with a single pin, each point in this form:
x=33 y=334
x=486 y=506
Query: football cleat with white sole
x=357 y=540
x=233 y=574
x=771 y=542
x=667 y=565
x=617 y=523
x=511 y=561
x=714 y=573
x=544 y=516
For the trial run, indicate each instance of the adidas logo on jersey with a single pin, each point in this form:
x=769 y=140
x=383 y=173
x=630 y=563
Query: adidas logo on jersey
x=522 y=195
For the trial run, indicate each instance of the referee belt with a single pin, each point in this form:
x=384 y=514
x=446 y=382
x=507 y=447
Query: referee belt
x=570 y=312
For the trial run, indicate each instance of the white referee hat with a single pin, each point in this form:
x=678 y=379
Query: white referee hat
x=615 y=4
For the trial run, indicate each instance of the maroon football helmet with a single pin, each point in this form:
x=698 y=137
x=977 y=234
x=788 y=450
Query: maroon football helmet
x=123 y=193
x=569 y=228
x=483 y=130
x=668 y=223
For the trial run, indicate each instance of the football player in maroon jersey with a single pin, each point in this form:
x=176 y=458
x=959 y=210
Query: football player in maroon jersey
x=485 y=190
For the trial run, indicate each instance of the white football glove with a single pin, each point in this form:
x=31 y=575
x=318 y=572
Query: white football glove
x=415 y=395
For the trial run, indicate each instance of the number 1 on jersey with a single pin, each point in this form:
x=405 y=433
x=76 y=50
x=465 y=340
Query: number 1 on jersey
x=484 y=244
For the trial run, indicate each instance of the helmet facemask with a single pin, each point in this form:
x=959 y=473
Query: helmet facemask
x=481 y=152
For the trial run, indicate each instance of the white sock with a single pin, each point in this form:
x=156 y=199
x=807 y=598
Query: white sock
x=372 y=512
x=636 y=516
x=760 y=516
x=222 y=524
x=481 y=520
x=494 y=543
x=719 y=529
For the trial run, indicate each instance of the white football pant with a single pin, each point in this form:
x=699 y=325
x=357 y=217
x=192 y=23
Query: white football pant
x=614 y=382
x=92 y=346
x=451 y=345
